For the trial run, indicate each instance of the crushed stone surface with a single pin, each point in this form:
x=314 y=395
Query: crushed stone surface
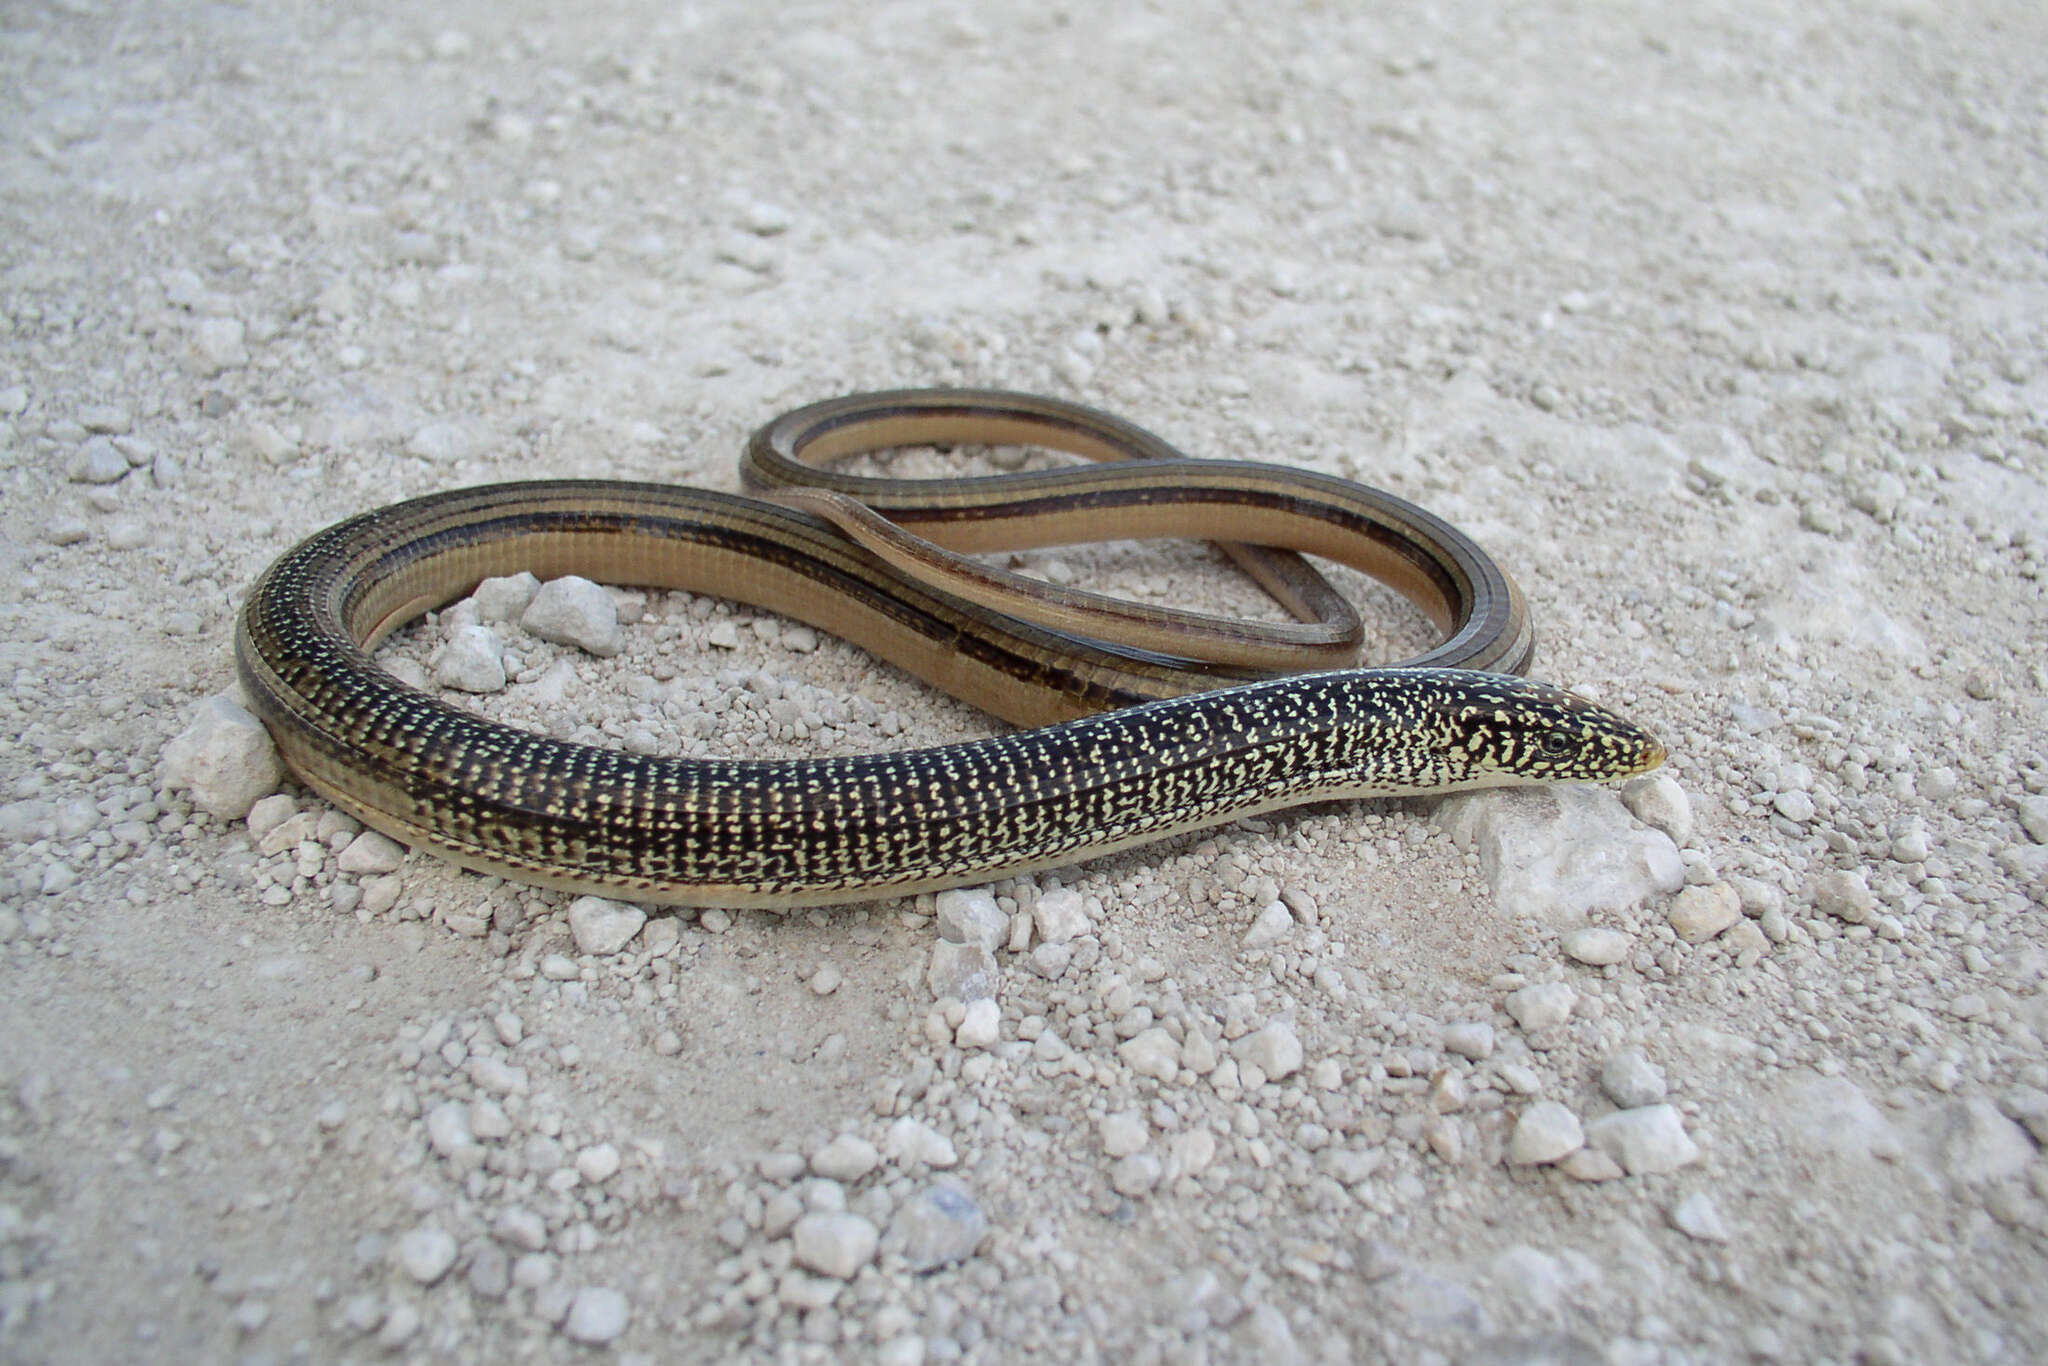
x=1724 y=326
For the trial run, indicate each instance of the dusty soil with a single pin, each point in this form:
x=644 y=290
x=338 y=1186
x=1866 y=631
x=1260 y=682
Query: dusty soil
x=1721 y=324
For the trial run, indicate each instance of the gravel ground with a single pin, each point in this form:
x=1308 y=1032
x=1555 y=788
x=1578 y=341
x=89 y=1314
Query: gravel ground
x=1720 y=324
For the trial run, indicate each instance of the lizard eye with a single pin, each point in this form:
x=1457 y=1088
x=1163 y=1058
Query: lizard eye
x=1555 y=744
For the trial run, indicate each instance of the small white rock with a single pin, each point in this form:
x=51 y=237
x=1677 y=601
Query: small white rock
x=1659 y=802
x=834 y=1243
x=603 y=927
x=598 y=1163
x=472 y=661
x=521 y=1228
x=1274 y=1050
x=912 y=1141
x=1645 y=1141
x=1470 y=1039
x=574 y=611
x=1700 y=912
x=505 y=598
x=98 y=461
x=448 y=1128
x=1152 y=1053
x=1794 y=806
x=1845 y=896
x=425 y=1253
x=1631 y=1080
x=1546 y=1132
x=938 y=1226
x=597 y=1315
x=1541 y=1006
x=1136 y=1175
x=273 y=811
x=846 y=1158
x=1596 y=946
x=225 y=759
x=371 y=853
x=1124 y=1133
x=965 y=972
x=1061 y=915
x=971 y=916
x=1696 y=1217
x=981 y=1026
x=1274 y=924
x=2033 y=814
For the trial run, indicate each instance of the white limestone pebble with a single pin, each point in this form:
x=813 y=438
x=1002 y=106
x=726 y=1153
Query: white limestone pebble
x=370 y=853
x=2028 y=1106
x=1700 y=912
x=834 y=1243
x=1597 y=946
x=1794 y=806
x=2033 y=815
x=425 y=1253
x=225 y=759
x=98 y=461
x=271 y=812
x=250 y=1316
x=1559 y=853
x=1152 y=1053
x=938 y=1226
x=601 y=926
x=597 y=1315
x=1659 y=802
x=1060 y=915
x=971 y=916
x=598 y=1163
x=448 y=1128
x=521 y=1228
x=1274 y=924
x=1136 y=1175
x=764 y=219
x=911 y=1142
x=1541 y=1005
x=1646 y=1141
x=1470 y=1039
x=1124 y=1132
x=1275 y=1050
x=981 y=1026
x=380 y=894
x=605 y=926
x=505 y=598
x=1631 y=1080
x=964 y=972
x=401 y=1322
x=472 y=661
x=847 y=1158
x=1697 y=1218
x=574 y=611
x=1546 y=1132
x=1591 y=1164
x=1845 y=896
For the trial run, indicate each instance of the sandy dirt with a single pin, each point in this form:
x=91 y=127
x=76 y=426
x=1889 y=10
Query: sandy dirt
x=1720 y=324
